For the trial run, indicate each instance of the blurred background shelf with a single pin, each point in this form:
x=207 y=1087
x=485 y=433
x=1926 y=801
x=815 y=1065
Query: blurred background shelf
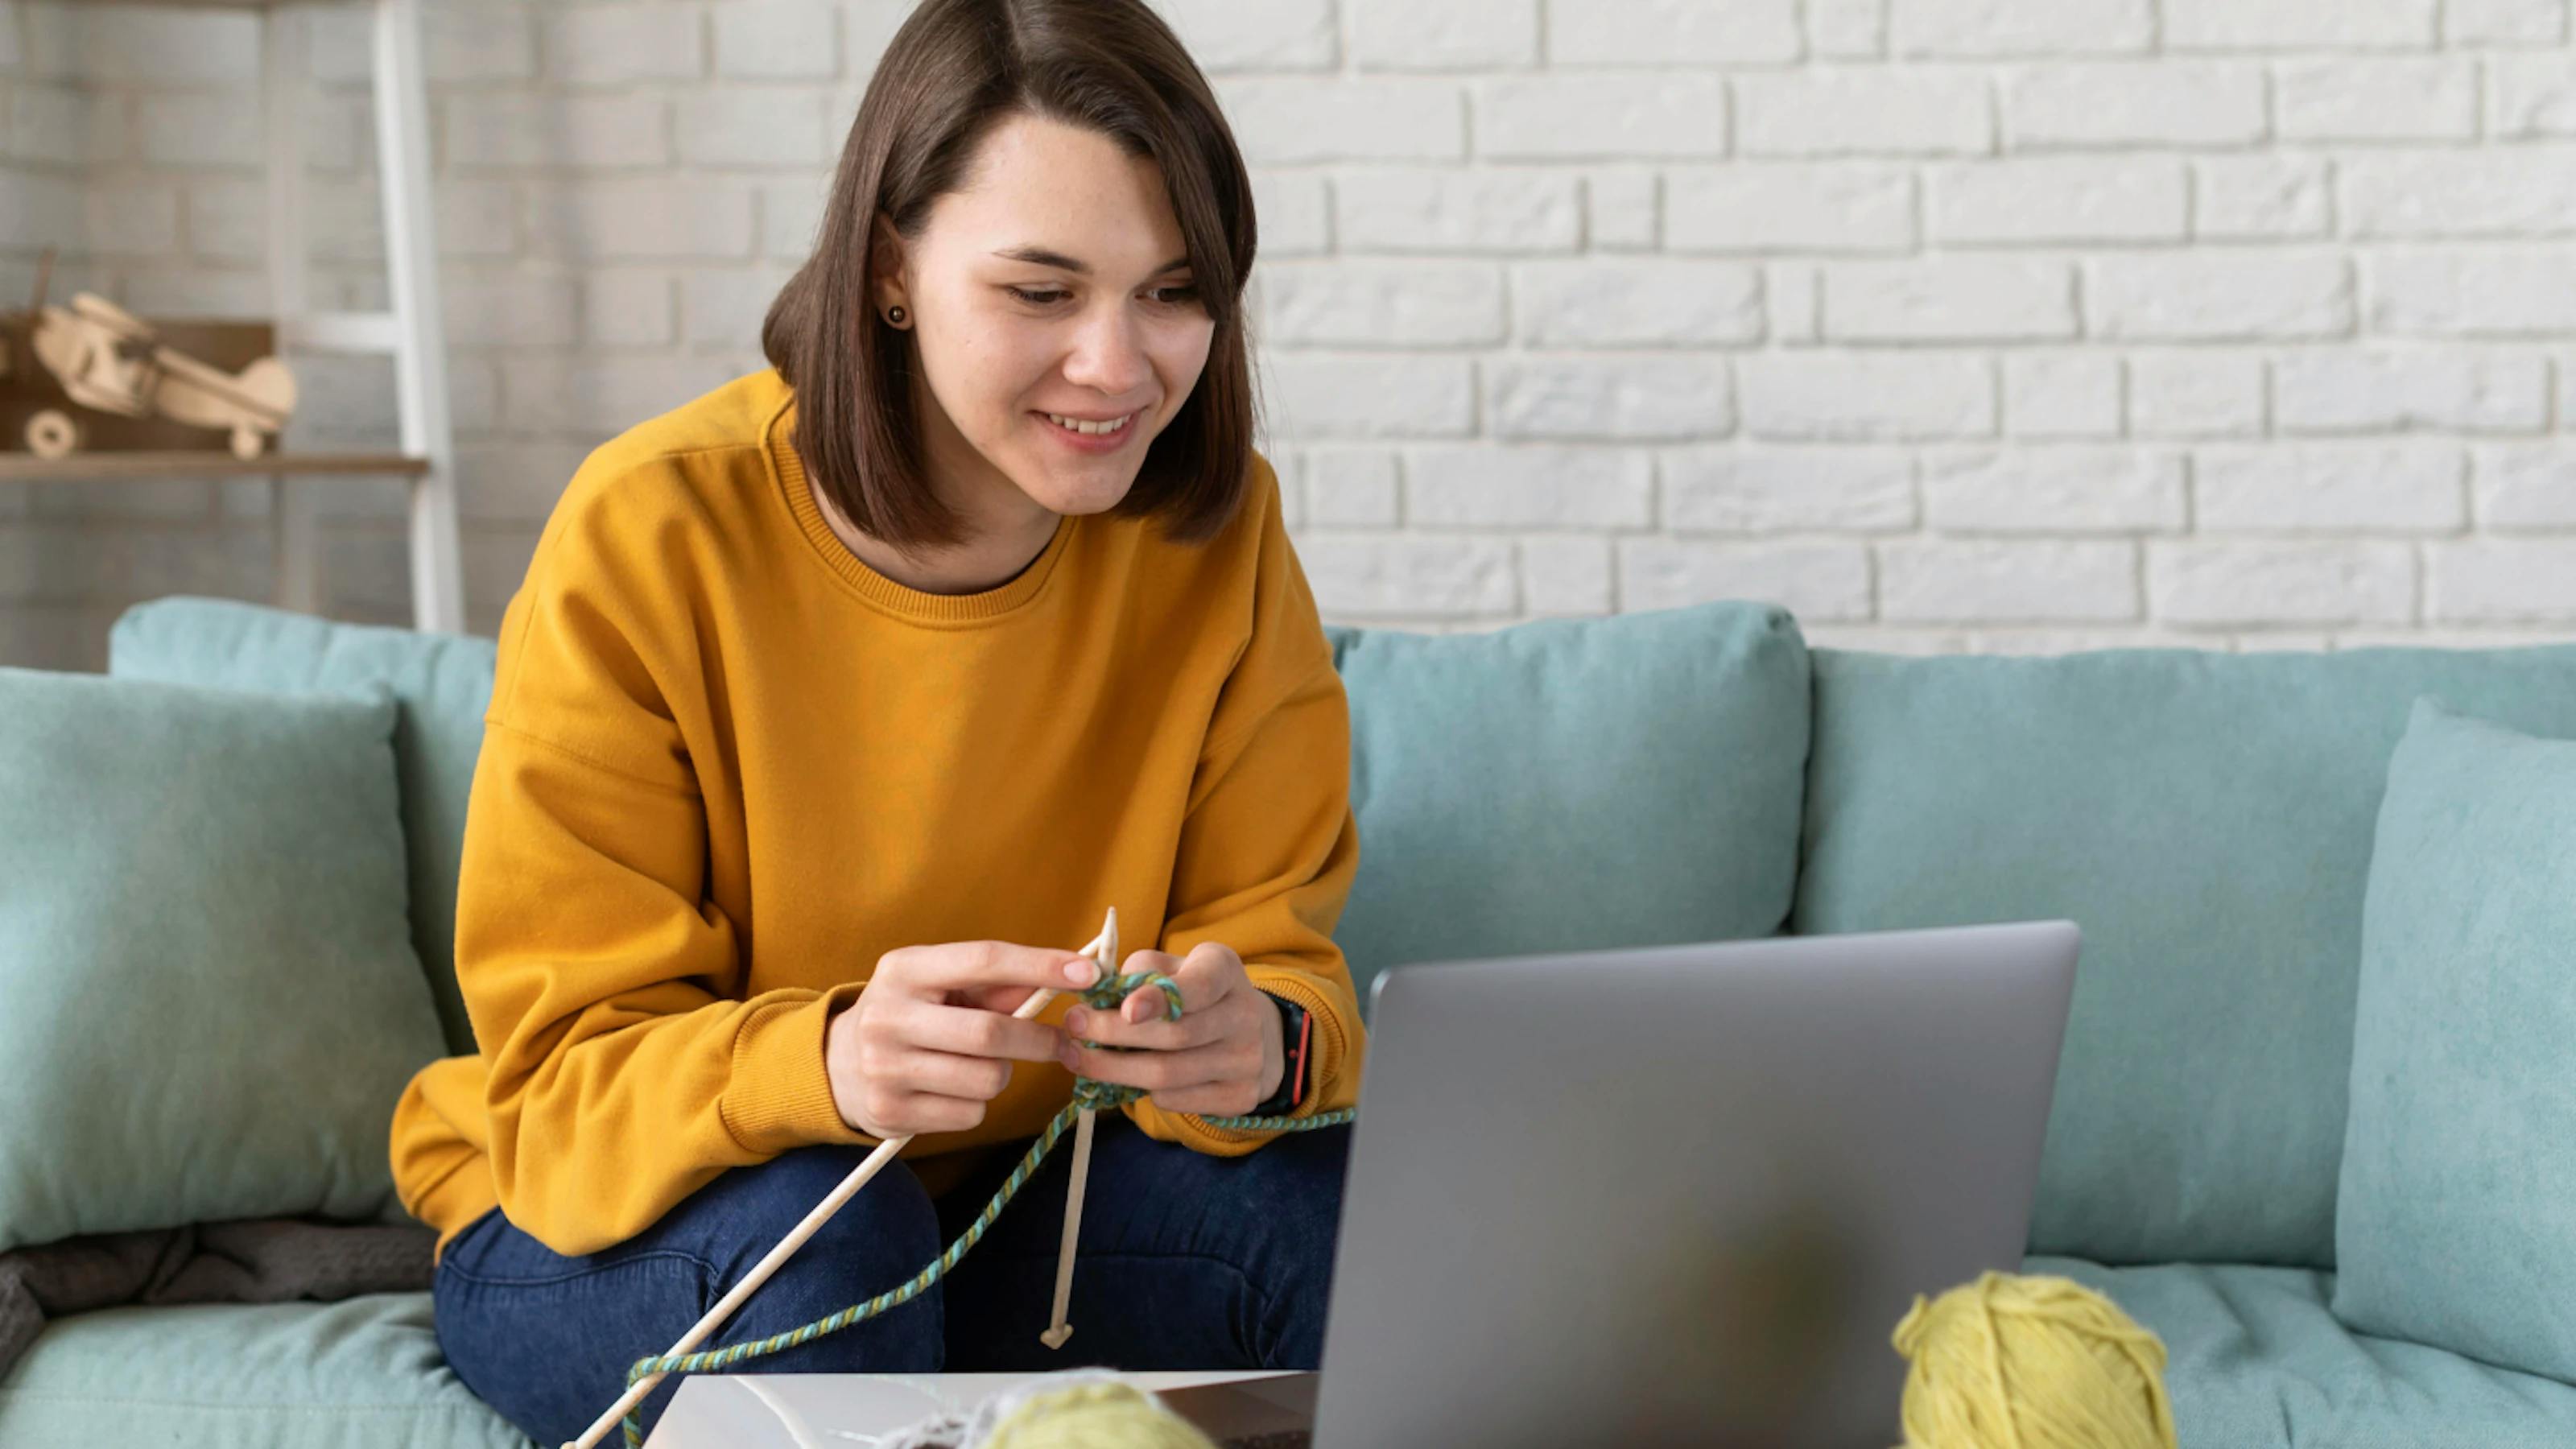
x=192 y=4
x=410 y=329
x=138 y=466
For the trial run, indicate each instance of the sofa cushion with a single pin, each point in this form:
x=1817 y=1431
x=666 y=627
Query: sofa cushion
x=366 y=1370
x=2207 y=819
x=441 y=682
x=1566 y=784
x=2453 y=1226
x=211 y=999
x=2255 y=1360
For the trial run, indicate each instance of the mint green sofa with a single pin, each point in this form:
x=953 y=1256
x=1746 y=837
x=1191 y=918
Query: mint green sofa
x=1682 y=775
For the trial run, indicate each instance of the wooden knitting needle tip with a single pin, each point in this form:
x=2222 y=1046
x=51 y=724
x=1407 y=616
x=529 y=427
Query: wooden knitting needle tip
x=1104 y=945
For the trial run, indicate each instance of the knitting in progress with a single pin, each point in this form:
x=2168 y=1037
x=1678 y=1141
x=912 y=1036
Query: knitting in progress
x=1089 y=1097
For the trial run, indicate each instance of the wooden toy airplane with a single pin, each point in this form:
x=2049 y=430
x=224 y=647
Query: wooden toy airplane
x=109 y=359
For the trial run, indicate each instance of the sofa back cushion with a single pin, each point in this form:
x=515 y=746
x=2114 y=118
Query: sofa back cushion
x=1571 y=784
x=211 y=997
x=1624 y=781
x=2453 y=1227
x=2207 y=819
x=441 y=684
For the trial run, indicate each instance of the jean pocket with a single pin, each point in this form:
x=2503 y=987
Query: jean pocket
x=493 y=1253
x=577 y=1270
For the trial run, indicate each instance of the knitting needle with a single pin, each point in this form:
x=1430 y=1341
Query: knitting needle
x=812 y=1224
x=1059 y=1330
x=1055 y=1336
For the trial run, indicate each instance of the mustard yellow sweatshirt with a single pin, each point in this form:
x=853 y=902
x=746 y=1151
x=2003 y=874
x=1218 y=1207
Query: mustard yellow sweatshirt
x=727 y=766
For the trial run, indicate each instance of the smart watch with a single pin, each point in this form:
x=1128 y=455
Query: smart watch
x=1296 y=1036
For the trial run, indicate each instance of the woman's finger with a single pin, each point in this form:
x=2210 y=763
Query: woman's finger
x=1004 y=999
x=1109 y=1028
x=973 y=1032
x=970 y=965
x=1145 y=1003
x=946 y=1074
x=929 y=1112
x=1208 y=976
x=889 y=1111
x=1158 y=1072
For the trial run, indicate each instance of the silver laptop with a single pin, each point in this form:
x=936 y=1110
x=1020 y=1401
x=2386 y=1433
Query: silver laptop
x=1682 y=1195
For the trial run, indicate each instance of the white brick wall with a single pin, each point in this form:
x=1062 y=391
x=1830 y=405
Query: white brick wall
x=1952 y=324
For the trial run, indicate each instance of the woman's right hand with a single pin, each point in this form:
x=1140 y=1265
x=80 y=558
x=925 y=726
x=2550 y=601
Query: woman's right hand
x=931 y=1040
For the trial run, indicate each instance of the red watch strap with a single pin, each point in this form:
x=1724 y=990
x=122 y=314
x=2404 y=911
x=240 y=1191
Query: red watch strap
x=1305 y=1035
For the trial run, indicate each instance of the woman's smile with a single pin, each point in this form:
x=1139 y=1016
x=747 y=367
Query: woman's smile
x=1090 y=434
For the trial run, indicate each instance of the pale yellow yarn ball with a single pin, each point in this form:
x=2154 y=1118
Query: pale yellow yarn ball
x=1095 y=1416
x=2010 y=1362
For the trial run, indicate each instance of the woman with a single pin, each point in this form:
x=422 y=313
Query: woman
x=837 y=707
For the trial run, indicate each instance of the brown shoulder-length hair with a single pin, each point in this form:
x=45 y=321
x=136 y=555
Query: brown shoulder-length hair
x=955 y=69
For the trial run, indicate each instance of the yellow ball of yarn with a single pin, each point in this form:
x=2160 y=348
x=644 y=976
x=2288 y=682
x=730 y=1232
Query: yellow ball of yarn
x=2009 y=1362
x=1095 y=1416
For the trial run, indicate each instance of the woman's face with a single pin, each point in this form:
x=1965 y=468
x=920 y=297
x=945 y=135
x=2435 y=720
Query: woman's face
x=1055 y=316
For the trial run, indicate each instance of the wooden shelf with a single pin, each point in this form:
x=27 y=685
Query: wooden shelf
x=130 y=467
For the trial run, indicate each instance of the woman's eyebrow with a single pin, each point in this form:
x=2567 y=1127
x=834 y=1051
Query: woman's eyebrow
x=1045 y=257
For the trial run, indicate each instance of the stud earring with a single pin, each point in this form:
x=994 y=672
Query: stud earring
x=895 y=315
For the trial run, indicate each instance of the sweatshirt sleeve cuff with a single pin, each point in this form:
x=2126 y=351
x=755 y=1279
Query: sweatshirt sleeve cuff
x=780 y=1094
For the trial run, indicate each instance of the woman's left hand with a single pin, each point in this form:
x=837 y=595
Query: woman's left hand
x=1221 y=1059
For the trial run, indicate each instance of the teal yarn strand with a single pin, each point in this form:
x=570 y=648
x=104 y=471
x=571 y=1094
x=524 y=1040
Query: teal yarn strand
x=1088 y=1095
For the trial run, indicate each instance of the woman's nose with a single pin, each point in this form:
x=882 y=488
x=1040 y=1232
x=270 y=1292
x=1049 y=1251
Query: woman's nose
x=1106 y=355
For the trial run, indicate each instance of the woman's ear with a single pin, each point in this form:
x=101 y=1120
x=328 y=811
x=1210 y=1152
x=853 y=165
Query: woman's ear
x=886 y=273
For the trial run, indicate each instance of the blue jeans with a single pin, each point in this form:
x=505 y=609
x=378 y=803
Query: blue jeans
x=1187 y=1261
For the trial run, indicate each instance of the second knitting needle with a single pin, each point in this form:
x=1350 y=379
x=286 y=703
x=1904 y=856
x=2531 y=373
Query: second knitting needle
x=1058 y=1331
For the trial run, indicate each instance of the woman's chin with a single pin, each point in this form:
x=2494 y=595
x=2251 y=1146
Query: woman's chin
x=1079 y=485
